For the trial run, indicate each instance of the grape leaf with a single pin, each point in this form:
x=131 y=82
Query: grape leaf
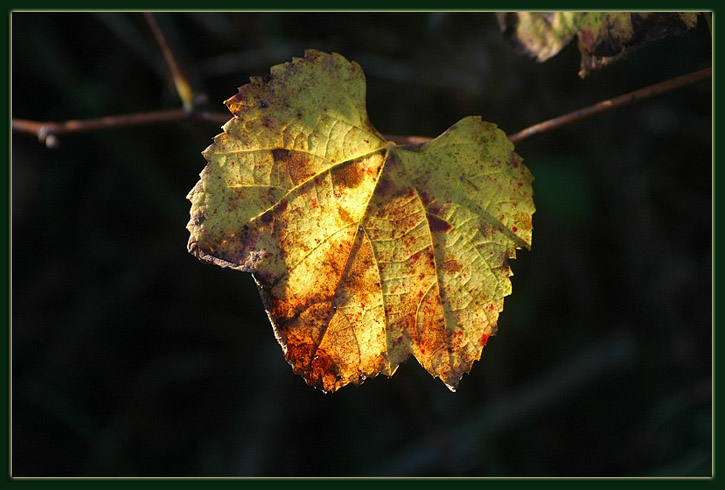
x=364 y=252
x=604 y=37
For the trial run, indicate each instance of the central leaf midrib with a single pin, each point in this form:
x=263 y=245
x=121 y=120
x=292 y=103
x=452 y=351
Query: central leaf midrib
x=350 y=257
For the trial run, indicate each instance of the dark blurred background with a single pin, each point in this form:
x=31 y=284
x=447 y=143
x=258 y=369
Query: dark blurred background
x=132 y=358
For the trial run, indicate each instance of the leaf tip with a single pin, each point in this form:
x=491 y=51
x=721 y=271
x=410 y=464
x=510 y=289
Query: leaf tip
x=451 y=387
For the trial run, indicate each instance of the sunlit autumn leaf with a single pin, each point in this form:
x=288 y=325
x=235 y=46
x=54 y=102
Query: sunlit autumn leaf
x=604 y=37
x=364 y=252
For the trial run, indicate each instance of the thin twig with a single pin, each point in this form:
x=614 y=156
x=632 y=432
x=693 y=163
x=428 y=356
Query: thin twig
x=47 y=132
x=586 y=112
x=607 y=105
x=182 y=86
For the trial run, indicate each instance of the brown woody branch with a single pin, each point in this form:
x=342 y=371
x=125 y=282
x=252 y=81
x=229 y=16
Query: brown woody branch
x=607 y=105
x=48 y=131
x=586 y=112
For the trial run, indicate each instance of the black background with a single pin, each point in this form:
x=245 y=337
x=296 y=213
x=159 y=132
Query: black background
x=131 y=358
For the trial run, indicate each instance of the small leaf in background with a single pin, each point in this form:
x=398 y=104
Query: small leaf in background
x=539 y=34
x=604 y=37
x=364 y=252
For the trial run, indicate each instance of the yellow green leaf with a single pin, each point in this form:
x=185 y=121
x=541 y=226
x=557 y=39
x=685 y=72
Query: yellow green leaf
x=604 y=37
x=364 y=252
x=539 y=34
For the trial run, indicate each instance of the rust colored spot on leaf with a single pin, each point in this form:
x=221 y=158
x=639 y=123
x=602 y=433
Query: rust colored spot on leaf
x=300 y=167
x=344 y=215
x=349 y=176
x=452 y=266
x=435 y=209
x=424 y=197
x=438 y=225
x=324 y=372
x=385 y=185
x=267 y=217
x=281 y=154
